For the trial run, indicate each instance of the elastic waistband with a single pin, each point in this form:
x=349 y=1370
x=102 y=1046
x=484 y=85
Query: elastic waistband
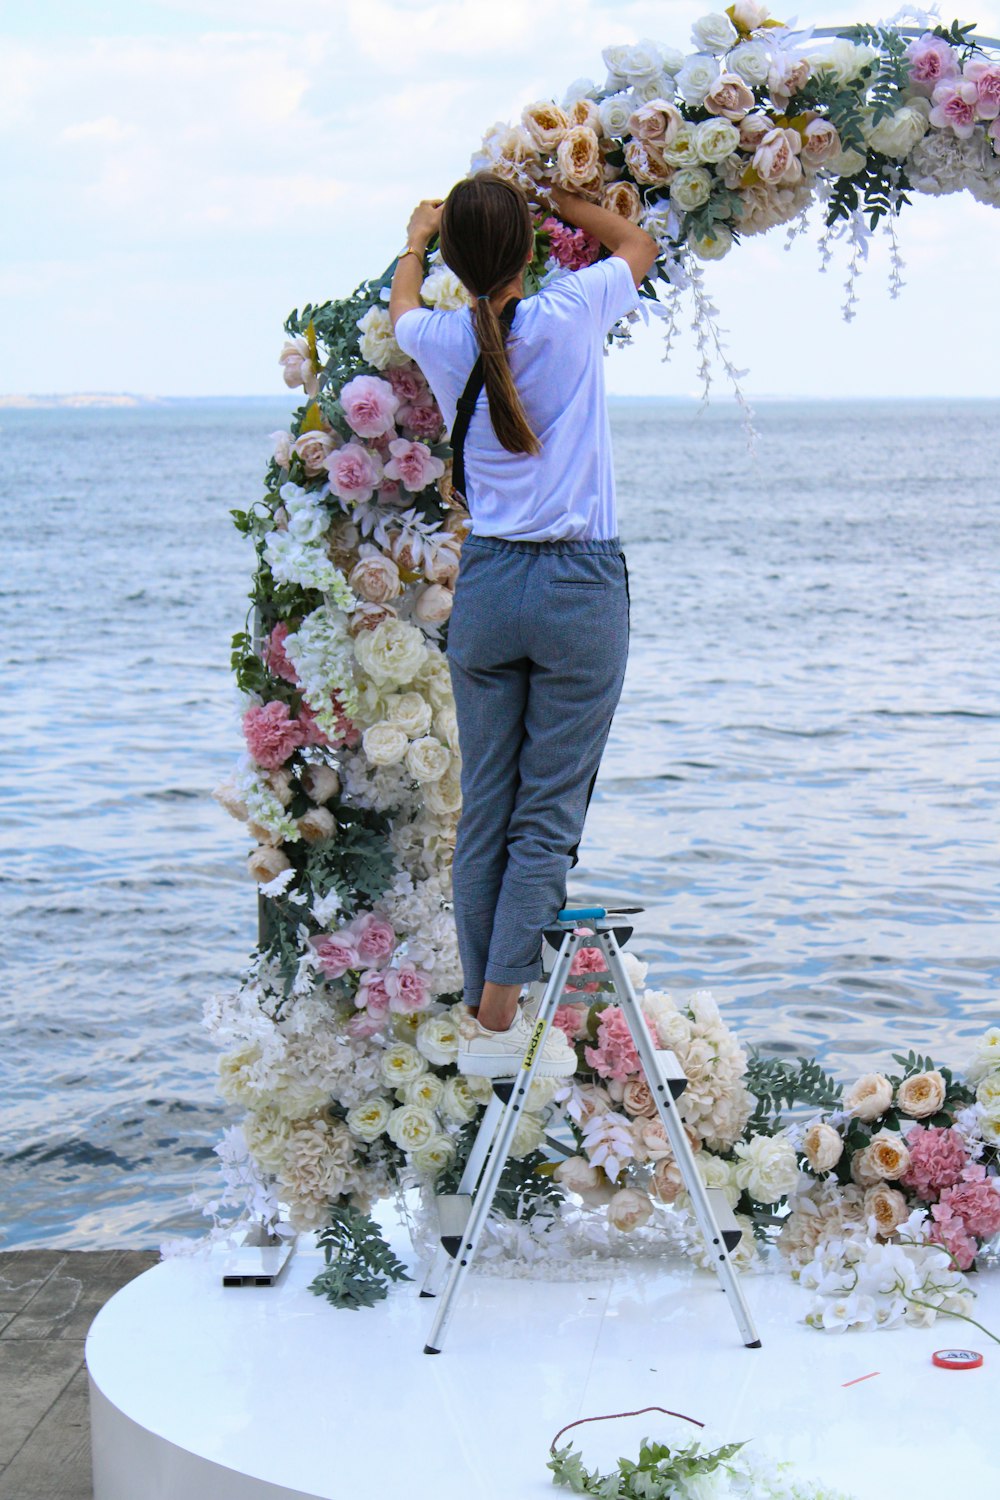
x=611 y=544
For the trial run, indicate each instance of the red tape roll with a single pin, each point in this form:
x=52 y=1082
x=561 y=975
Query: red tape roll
x=957 y=1359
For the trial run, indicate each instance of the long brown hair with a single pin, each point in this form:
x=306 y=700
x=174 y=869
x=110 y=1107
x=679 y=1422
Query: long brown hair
x=486 y=239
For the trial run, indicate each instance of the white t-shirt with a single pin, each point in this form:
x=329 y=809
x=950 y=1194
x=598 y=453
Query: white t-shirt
x=556 y=353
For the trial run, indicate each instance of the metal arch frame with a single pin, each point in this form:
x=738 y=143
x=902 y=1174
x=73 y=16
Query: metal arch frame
x=914 y=32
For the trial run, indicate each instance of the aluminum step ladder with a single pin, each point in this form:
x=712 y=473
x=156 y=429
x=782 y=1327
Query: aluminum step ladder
x=463 y=1215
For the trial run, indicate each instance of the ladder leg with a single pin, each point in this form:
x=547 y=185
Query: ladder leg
x=500 y=1150
x=674 y=1126
x=453 y=1208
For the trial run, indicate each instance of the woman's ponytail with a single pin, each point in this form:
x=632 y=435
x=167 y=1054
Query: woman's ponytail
x=487 y=238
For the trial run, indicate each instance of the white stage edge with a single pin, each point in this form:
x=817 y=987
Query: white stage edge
x=202 y=1392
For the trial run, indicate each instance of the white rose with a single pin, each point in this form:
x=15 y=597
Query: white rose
x=682 y=151
x=446 y=726
x=714 y=140
x=411 y=1127
x=384 y=744
x=696 y=77
x=377 y=344
x=842 y=60
x=442 y=289
x=615 y=113
x=528 y=1136
x=410 y=711
x=628 y=1209
x=767 y=1168
x=368 y=1119
x=869 y=1097
x=444 y=796
x=712 y=246
x=714 y=33
x=690 y=188
x=823 y=1147
x=749 y=14
x=400 y=1064
x=752 y=61
x=986 y=1055
x=425 y=1090
x=427 y=759
x=458 y=1103
x=636 y=61
x=437 y=1039
x=393 y=652
x=846 y=164
x=988 y=1093
x=438 y=1154
x=896 y=135
x=635 y=969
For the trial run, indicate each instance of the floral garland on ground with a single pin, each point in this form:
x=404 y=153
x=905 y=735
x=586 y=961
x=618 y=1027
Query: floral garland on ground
x=340 y=1040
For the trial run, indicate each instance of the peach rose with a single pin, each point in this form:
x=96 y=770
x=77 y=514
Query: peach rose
x=820 y=142
x=314 y=448
x=647 y=165
x=921 y=1095
x=823 y=1147
x=887 y=1155
x=585 y=112
x=368 y=616
x=316 y=825
x=433 y=604
x=889 y=1206
x=655 y=124
x=637 y=1097
x=667 y=1180
x=579 y=157
x=441 y=562
x=628 y=1209
x=622 y=198
x=320 y=782
x=267 y=862
x=861 y=1172
x=651 y=1142
x=375 y=577
x=546 y=123
x=776 y=158
x=576 y=1175
x=729 y=97
x=753 y=128
x=870 y=1097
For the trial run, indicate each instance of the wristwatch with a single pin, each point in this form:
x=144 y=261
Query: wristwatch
x=411 y=250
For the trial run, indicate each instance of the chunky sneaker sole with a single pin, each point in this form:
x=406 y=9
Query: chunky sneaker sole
x=500 y=1054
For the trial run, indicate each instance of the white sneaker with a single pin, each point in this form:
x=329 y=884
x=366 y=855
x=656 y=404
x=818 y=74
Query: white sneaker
x=500 y=1054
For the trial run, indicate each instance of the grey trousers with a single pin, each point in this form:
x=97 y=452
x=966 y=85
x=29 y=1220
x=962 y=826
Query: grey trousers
x=537 y=645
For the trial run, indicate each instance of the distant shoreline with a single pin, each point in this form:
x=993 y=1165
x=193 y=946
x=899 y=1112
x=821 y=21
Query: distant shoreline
x=129 y=400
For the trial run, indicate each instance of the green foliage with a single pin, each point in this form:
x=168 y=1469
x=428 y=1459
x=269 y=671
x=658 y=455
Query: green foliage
x=359 y=1263
x=956 y=1094
x=524 y=1187
x=655 y=1476
x=775 y=1082
x=357 y=862
x=869 y=189
x=956 y=35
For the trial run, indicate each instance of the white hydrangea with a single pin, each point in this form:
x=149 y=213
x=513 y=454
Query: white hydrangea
x=322 y=652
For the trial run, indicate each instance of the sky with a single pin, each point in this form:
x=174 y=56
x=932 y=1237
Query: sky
x=178 y=175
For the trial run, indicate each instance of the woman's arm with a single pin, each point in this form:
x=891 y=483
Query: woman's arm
x=408 y=277
x=621 y=236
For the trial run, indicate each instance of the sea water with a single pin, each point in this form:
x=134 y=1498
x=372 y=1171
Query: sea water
x=801 y=785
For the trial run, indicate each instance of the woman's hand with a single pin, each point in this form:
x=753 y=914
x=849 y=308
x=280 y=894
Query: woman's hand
x=425 y=222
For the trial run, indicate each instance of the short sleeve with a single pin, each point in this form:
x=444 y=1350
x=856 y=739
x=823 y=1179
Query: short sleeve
x=608 y=288
x=409 y=329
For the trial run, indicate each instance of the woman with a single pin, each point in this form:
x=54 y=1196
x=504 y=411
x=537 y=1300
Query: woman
x=538 y=636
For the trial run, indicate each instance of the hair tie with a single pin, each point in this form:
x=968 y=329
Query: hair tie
x=483 y=297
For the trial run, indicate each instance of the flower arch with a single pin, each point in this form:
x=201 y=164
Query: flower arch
x=340 y=1040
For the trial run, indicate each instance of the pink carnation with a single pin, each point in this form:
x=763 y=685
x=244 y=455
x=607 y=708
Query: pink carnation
x=588 y=961
x=272 y=735
x=615 y=1055
x=354 y=472
x=370 y=405
x=347 y=733
x=572 y=1019
x=391 y=493
x=373 y=994
x=414 y=464
x=336 y=953
x=408 y=383
x=975 y=1200
x=376 y=938
x=363 y=1024
x=407 y=987
x=986 y=77
x=937 y=1157
x=931 y=59
x=955 y=107
x=571 y=248
x=275 y=658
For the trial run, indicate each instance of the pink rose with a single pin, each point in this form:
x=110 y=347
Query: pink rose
x=391 y=493
x=588 y=961
x=413 y=464
x=572 y=1019
x=354 y=471
x=407 y=987
x=376 y=938
x=336 y=953
x=370 y=405
x=986 y=77
x=272 y=735
x=373 y=995
x=955 y=107
x=408 y=383
x=423 y=418
x=930 y=60
x=363 y=1025
x=274 y=653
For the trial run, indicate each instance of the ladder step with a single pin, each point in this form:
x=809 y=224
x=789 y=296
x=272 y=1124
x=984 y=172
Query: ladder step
x=725 y=1218
x=671 y=1072
x=453 y=1216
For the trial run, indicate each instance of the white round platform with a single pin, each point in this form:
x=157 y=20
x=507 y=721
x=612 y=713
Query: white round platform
x=200 y=1392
